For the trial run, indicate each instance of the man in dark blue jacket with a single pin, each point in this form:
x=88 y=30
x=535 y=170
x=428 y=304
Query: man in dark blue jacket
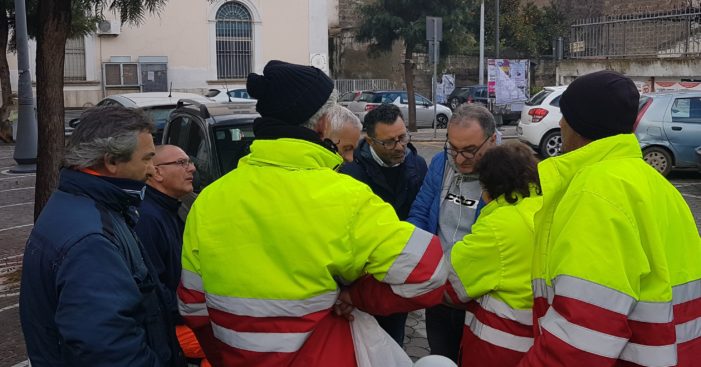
x=89 y=295
x=387 y=162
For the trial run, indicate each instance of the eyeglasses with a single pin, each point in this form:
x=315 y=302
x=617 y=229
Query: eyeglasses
x=391 y=144
x=469 y=153
x=184 y=163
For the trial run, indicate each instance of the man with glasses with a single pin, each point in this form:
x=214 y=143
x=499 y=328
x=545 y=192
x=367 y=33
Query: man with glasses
x=449 y=203
x=387 y=162
x=161 y=229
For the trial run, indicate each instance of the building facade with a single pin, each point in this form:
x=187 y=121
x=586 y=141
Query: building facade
x=191 y=46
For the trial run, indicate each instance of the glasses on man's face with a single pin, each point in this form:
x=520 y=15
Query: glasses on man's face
x=391 y=144
x=184 y=163
x=468 y=153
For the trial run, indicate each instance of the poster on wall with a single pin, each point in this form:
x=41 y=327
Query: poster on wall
x=507 y=80
x=676 y=85
x=445 y=86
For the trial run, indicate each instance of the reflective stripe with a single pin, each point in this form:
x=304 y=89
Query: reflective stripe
x=456 y=283
x=412 y=253
x=688 y=331
x=192 y=309
x=652 y=312
x=501 y=309
x=191 y=280
x=416 y=289
x=646 y=355
x=581 y=338
x=261 y=342
x=272 y=307
x=686 y=292
x=496 y=336
x=541 y=289
x=593 y=294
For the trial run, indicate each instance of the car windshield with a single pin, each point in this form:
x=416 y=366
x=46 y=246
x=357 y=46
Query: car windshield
x=539 y=97
x=232 y=143
x=159 y=115
x=464 y=92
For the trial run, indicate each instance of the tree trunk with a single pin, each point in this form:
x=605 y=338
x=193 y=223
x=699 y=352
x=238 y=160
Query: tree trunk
x=5 y=131
x=409 y=80
x=54 y=19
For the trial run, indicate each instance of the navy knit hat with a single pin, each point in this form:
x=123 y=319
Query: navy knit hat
x=289 y=92
x=601 y=104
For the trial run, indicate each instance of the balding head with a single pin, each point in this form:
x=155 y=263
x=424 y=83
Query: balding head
x=174 y=171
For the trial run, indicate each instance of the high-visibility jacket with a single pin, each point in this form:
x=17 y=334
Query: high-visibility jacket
x=491 y=272
x=266 y=246
x=617 y=265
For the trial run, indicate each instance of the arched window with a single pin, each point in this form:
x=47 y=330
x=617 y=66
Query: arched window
x=234 y=34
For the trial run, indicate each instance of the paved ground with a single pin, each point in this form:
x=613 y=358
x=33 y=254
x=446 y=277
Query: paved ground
x=16 y=207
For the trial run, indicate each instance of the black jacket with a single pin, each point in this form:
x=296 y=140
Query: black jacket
x=411 y=176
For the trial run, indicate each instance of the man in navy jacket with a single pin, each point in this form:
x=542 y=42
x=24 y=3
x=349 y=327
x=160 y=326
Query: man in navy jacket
x=89 y=295
x=387 y=162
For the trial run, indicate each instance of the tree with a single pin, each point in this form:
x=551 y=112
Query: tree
x=53 y=24
x=388 y=21
x=7 y=16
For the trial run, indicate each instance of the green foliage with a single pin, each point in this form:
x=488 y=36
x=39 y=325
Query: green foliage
x=387 y=21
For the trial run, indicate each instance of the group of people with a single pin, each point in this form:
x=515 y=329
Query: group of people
x=587 y=259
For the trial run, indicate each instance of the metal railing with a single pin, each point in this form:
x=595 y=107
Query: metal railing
x=234 y=41
x=658 y=33
x=347 y=85
x=74 y=64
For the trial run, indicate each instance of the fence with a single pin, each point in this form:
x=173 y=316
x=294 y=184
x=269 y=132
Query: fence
x=660 y=33
x=347 y=85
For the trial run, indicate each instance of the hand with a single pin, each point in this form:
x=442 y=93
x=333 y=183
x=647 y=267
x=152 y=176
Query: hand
x=344 y=306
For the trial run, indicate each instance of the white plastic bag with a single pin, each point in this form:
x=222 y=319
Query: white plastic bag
x=373 y=346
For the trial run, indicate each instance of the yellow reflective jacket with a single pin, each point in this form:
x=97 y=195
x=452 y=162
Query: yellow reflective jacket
x=618 y=262
x=266 y=246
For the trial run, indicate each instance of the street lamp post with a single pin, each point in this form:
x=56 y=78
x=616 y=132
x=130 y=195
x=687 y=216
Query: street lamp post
x=26 y=145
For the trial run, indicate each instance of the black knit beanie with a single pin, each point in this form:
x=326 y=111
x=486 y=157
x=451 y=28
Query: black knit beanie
x=601 y=104
x=289 y=92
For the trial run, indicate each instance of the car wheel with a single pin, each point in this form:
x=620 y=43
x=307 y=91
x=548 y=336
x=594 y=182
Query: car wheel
x=551 y=144
x=441 y=121
x=659 y=159
x=454 y=103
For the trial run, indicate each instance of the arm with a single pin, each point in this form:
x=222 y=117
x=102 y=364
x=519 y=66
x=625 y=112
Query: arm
x=98 y=302
x=431 y=187
x=406 y=266
x=594 y=284
x=191 y=295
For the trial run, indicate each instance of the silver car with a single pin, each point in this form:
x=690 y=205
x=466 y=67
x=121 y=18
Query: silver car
x=369 y=100
x=669 y=129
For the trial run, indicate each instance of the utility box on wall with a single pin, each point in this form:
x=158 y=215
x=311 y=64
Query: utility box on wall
x=154 y=73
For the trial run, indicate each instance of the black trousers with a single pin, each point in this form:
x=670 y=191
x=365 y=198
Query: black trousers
x=394 y=326
x=444 y=327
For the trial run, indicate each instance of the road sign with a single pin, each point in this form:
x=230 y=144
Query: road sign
x=434 y=29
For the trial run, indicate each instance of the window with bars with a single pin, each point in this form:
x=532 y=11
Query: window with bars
x=74 y=64
x=234 y=38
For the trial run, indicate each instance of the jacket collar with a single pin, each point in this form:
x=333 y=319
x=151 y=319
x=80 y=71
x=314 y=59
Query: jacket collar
x=165 y=201
x=557 y=172
x=117 y=194
x=292 y=153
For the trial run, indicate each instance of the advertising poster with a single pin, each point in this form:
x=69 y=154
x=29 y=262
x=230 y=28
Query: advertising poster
x=508 y=80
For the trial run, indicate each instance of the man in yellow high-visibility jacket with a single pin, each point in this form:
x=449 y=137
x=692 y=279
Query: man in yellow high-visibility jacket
x=617 y=265
x=266 y=246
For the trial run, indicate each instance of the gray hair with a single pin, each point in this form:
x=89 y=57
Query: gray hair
x=340 y=116
x=467 y=113
x=314 y=120
x=105 y=131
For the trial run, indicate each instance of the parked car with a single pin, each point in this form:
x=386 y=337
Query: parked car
x=368 y=100
x=479 y=93
x=215 y=135
x=347 y=98
x=228 y=95
x=158 y=105
x=539 y=126
x=669 y=129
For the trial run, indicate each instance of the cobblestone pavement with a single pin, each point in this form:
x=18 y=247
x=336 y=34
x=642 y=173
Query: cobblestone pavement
x=17 y=204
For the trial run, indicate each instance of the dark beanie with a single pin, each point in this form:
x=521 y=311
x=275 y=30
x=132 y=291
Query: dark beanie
x=601 y=104
x=289 y=92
